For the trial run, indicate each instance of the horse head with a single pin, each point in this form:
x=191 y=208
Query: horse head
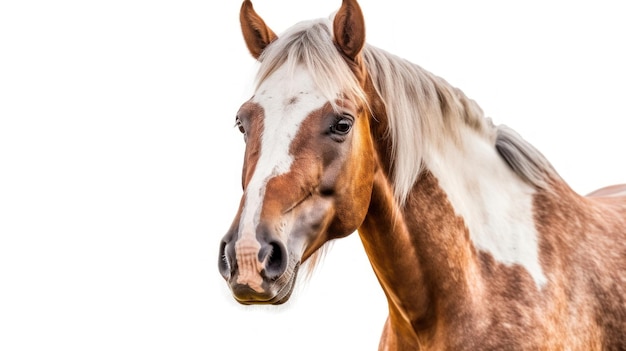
x=309 y=161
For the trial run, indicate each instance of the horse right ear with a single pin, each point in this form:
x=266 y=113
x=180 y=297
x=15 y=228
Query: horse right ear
x=256 y=33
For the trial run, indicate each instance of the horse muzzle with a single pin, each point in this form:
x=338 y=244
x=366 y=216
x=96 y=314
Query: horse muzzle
x=257 y=271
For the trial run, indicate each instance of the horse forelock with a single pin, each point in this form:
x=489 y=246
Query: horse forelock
x=309 y=44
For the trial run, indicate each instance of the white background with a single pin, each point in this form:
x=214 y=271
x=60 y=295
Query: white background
x=120 y=165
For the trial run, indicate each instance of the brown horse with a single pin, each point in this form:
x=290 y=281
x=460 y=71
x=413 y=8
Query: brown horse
x=477 y=242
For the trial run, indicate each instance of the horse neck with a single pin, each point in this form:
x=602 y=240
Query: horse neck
x=385 y=235
x=420 y=253
x=467 y=203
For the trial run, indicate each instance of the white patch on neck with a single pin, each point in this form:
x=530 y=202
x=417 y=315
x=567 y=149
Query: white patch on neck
x=287 y=99
x=495 y=204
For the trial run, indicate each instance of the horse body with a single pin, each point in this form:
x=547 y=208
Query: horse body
x=477 y=242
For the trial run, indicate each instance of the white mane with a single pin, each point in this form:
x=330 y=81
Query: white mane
x=423 y=110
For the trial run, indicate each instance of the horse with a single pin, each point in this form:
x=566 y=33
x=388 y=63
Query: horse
x=477 y=242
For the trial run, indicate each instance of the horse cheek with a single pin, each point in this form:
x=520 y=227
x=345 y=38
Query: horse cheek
x=352 y=207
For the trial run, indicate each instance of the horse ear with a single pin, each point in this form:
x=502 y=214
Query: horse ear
x=349 y=29
x=256 y=34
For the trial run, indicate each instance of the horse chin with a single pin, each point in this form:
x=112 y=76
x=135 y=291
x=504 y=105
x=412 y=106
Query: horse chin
x=285 y=285
x=285 y=292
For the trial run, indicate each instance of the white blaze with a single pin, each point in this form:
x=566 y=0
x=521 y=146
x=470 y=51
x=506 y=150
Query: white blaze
x=287 y=99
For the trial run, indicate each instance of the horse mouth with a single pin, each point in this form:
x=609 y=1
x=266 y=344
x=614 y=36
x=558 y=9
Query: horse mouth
x=285 y=283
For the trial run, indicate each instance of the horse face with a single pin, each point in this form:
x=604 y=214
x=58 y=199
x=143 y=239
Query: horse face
x=307 y=178
x=308 y=166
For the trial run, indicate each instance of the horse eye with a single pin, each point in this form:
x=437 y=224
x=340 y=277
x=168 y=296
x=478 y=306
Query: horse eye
x=342 y=126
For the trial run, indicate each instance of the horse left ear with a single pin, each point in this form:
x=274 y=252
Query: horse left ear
x=349 y=29
x=256 y=33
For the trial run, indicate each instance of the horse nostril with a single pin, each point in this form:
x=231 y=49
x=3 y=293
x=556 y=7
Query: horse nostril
x=276 y=261
x=223 y=263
